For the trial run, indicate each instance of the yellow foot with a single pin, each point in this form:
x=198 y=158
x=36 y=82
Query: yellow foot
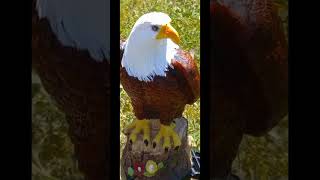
x=137 y=126
x=166 y=132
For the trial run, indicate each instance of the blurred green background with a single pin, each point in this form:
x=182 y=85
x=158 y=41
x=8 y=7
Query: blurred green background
x=264 y=158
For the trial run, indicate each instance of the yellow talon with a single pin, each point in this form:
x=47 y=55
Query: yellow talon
x=139 y=126
x=156 y=140
x=166 y=143
x=166 y=132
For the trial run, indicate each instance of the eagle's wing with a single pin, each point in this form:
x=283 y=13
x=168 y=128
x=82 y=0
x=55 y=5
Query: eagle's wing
x=187 y=74
x=80 y=24
x=255 y=29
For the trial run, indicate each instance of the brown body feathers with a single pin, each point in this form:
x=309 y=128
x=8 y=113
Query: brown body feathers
x=249 y=76
x=164 y=98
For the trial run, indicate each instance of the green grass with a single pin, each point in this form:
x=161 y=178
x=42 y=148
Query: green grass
x=52 y=149
x=185 y=17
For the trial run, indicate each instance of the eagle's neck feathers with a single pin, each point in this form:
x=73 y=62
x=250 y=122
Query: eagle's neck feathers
x=148 y=59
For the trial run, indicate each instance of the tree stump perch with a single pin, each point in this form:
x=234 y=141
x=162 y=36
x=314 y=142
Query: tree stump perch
x=173 y=165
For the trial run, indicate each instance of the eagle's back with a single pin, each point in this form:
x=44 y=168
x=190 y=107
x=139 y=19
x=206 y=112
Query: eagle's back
x=249 y=62
x=249 y=81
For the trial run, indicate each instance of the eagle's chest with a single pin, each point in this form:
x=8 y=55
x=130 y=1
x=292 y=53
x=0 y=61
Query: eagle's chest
x=161 y=90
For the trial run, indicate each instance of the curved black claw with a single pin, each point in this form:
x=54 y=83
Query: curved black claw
x=166 y=149
x=176 y=148
x=154 y=145
x=146 y=142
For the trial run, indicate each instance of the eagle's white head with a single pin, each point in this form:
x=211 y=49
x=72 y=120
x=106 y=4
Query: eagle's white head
x=150 y=47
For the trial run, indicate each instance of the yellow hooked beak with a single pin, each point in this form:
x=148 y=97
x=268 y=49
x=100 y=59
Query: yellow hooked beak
x=167 y=31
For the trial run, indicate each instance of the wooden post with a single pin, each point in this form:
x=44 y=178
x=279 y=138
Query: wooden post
x=176 y=163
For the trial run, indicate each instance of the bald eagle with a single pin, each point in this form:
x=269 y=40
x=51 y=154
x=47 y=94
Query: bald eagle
x=248 y=76
x=70 y=53
x=158 y=76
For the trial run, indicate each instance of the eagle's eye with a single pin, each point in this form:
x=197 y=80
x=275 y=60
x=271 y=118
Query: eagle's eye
x=154 y=28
